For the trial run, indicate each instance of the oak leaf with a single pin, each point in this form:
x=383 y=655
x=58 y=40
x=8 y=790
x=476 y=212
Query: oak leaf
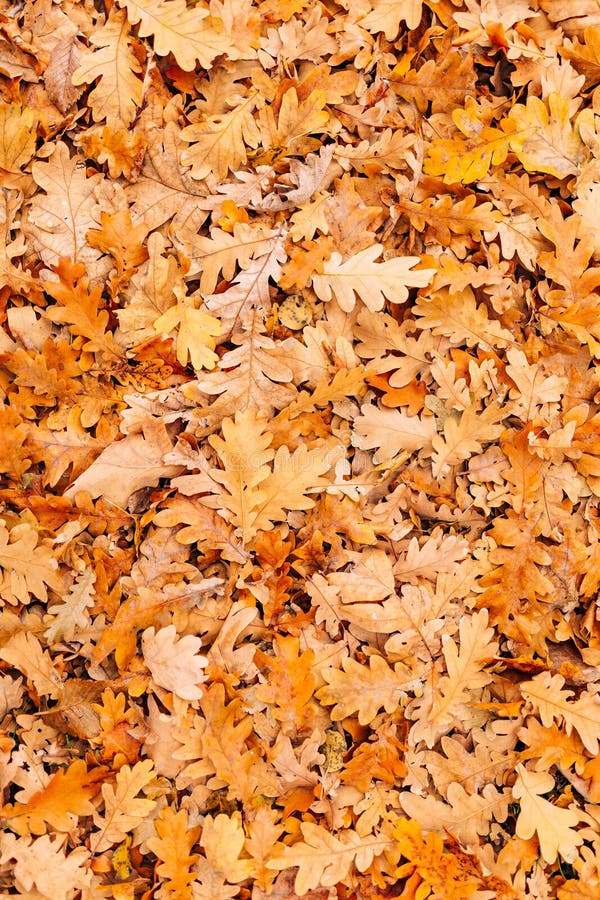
x=468 y=158
x=196 y=332
x=67 y=796
x=17 y=136
x=439 y=873
x=289 y=684
x=174 y=664
x=386 y=16
x=372 y=282
x=118 y=94
x=545 y=694
x=189 y=33
x=543 y=137
x=469 y=816
x=12 y=246
x=392 y=431
x=445 y=702
x=295 y=119
x=554 y=826
x=223 y=841
x=43 y=863
x=448 y=222
x=254 y=494
x=440 y=83
x=365 y=689
x=28 y=567
x=70 y=615
x=459 y=317
x=80 y=308
x=463 y=437
x=219 y=143
x=125 y=466
x=123 y=809
x=437 y=554
x=222 y=253
x=155 y=286
x=173 y=847
x=326 y=859
x=60 y=218
x=24 y=651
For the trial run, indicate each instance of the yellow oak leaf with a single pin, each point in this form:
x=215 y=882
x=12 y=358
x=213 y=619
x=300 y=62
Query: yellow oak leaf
x=17 y=136
x=545 y=694
x=544 y=138
x=555 y=827
x=196 y=331
x=468 y=158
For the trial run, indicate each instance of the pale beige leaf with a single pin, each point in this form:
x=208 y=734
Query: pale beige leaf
x=326 y=859
x=371 y=281
x=118 y=95
x=24 y=652
x=70 y=615
x=444 y=705
x=60 y=218
x=27 y=567
x=544 y=692
x=223 y=841
x=221 y=253
x=188 y=32
x=439 y=553
x=365 y=689
x=469 y=816
x=459 y=317
x=218 y=144
x=370 y=580
x=128 y=465
x=386 y=16
x=43 y=864
x=392 y=431
x=175 y=663
x=251 y=374
x=463 y=437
